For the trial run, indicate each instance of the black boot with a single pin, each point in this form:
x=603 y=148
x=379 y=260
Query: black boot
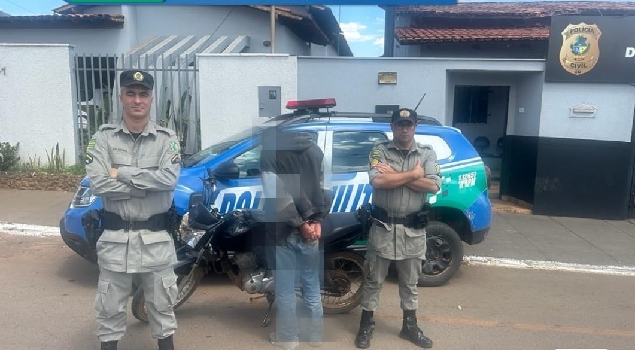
x=410 y=331
x=366 y=328
x=109 y=345
x=166 y=343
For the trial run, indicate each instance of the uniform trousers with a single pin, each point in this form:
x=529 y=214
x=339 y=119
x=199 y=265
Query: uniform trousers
x=376 y=269
x=114 y=288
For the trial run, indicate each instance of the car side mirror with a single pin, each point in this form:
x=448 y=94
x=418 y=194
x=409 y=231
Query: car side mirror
x=227 y=171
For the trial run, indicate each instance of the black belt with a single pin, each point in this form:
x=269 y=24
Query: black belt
x=114 y=222
x=410 y=220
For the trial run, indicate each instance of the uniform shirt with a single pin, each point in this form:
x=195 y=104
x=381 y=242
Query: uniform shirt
x=148 y=169
x=395 y=241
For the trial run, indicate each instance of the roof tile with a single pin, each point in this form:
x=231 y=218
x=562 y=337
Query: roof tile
x=520 y=9
x=421 y=35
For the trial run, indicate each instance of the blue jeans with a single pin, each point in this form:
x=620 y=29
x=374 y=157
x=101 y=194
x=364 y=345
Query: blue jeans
x=298 y=260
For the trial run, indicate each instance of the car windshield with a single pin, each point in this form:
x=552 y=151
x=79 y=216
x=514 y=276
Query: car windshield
x=220 y=147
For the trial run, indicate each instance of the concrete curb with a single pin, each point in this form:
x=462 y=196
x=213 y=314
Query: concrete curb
x=549 y=265
x=28 y=230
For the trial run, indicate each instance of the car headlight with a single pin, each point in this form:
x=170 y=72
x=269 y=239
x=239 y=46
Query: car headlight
x=83 y=197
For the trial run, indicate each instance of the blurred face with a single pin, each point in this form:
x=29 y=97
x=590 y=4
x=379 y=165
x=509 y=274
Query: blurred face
x=136 y=101
x=403 y=131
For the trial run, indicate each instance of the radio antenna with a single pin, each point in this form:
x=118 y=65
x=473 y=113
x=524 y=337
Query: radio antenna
x=424 y=95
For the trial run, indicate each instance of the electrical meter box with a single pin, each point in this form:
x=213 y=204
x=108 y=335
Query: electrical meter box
x=269 y=104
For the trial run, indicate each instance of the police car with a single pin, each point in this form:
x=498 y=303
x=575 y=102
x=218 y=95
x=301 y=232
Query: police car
x=461 y=210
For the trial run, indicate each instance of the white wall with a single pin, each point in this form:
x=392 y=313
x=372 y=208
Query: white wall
x=85 y=41
x=228 y=87
x=36 y=99
x=353 y=81
x=612 y=122
x=318 y=50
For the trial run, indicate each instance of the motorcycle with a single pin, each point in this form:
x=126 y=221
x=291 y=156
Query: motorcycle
x=233 y=244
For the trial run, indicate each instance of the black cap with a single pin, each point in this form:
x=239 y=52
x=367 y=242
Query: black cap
x=136 y=77
x=404 y=114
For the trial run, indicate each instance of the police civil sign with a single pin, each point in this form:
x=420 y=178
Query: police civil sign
x=591 y=49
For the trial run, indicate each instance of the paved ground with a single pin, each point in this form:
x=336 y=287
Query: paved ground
x=48 y=291
x=48 y=295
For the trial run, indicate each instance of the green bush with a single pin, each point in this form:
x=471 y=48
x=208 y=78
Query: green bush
x=9 y=157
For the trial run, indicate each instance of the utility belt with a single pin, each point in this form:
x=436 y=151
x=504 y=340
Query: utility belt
x=416 y=220
x=114 y=222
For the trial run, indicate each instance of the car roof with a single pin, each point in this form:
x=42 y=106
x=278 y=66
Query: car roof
x=364 y=119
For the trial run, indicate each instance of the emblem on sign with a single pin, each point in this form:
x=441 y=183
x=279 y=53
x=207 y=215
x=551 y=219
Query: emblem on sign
x=580 y=49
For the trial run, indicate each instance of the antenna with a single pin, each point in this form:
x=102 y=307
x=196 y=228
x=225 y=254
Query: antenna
x=424 y=95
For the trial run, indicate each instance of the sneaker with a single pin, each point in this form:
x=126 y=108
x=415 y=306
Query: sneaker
x=291 y=345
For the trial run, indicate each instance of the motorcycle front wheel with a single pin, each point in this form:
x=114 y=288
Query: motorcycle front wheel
x=346 y=273
x=187 y=285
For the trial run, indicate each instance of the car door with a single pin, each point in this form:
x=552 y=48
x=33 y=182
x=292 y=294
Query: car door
x=245 y=192
x=349 y=152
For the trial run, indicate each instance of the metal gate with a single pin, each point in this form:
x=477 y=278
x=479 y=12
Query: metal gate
x=172 y=62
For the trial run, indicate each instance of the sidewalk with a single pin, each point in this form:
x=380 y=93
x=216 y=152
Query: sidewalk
x=512 y=236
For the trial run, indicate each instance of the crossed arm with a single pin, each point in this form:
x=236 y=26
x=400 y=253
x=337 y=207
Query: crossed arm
x=128 y=181
x=422 y=178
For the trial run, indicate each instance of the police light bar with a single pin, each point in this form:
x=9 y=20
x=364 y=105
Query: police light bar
x=311 y=104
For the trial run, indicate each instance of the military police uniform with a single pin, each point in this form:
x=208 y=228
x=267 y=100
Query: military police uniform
x=396 y=234
x=135 y=240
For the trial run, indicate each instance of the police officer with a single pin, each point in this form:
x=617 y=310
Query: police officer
x=134 y=165
x=402 y=173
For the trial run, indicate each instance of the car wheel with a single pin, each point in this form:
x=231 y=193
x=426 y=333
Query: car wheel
x=444 y=254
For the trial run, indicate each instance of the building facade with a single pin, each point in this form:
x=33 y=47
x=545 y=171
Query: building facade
x=538 y=131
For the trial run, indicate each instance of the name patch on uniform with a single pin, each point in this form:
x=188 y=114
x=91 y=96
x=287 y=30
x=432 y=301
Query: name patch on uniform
x=374 y=155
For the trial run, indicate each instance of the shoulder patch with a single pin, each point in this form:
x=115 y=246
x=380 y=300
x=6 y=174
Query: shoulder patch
x=103 y=127
x=174 y=146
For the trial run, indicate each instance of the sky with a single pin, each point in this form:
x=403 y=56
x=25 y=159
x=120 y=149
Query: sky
x=363 y=26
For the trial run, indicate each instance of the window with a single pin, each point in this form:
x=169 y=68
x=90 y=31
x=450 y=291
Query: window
x=471 y=104
x=351 y=150
x=249 y=162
